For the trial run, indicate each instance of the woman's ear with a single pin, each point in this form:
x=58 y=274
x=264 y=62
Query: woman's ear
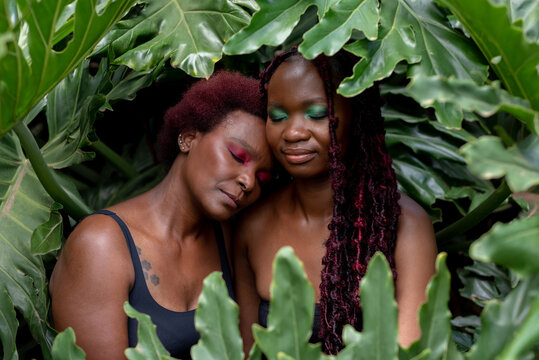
x=188 y=139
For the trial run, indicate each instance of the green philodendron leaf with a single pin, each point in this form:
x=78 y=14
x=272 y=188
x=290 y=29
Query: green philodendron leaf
x=514 y=245
x=8 y=326
x=47 y=237
x=249 y=4
x=421 y=142
x=466 y=94
x=217 y=321
x=31 y=68
x=526 y=11
x=434 y=315
x=415 y=32
x=526 y=337
x=513 y=58
x=335 y=28
x=291 y=311
x=190 y=33
x=501 y=321
x=419 y=181
x=24 y=205
x=149 y=346
x=378 y=340
x=64 y=347
x=489 y=159
x=271 y=25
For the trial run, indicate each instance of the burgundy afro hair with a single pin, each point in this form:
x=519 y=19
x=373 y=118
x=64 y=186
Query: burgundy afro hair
x=205 y=105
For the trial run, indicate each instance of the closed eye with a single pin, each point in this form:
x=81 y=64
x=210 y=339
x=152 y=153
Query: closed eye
x=237 y=158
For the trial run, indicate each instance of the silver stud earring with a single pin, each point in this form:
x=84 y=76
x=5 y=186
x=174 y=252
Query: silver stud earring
x=180 y=141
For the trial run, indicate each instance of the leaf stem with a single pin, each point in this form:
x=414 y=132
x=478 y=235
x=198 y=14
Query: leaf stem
x=75 y=208
x=475 y=216
x=116 y=160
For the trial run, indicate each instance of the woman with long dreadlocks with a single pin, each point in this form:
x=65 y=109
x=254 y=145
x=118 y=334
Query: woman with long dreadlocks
x=341 y=206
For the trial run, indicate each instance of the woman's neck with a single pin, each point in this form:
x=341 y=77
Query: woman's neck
x=314 y=198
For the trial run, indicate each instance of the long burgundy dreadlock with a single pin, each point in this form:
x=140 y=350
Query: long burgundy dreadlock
x=365 y=200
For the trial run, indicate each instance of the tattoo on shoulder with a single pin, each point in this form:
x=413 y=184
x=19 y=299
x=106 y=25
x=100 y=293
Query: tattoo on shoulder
x=146 y=264
x=146 y=268
x=139 y=250
x=154 y=279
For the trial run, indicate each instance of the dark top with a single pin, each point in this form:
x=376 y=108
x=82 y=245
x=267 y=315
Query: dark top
x=176 y=330
x=263 y=311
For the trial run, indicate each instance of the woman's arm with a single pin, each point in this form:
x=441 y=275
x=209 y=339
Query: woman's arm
x=415 y=257
x=89 y=285
x=245 y=284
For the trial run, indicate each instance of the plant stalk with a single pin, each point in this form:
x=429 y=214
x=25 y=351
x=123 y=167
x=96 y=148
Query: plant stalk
x=123 y=166
x=475 y=216
x=75 y=208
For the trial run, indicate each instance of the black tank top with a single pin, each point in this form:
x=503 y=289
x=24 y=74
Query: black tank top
x=176 y=330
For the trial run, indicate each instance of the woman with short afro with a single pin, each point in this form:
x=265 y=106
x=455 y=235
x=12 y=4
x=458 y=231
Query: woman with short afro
x=155 y=249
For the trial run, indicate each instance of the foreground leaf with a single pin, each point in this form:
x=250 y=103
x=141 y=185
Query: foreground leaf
x=526 y=337
x=488 y=158
x=501 y=321
x=512 y=57
x=48 y=236
x=291 y=311
x=149 y=346
x=64 y=347
x=28 y=73
x=335 y=28
x=8 y=326
x=378 y=340
x=434 y=315
x=217 y=321
x=514 y=245
x=190 y=33
x=24 y=205
x=271 y=25
x=466 y=94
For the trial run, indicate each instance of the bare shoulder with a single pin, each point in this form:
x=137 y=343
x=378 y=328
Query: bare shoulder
x=95 y=246
x=415 y=234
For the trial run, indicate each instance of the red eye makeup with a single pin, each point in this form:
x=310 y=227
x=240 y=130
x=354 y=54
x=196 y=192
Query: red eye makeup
x=239 y=153
x=263 y=176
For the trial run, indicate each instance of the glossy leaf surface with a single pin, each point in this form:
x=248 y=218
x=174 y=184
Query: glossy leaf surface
x=190 y=33
x=335 y=28
x=501 y=320
x=488 y=158
x=8 y=326
x=271 y=25
x=412 y=31
x=512 y=57
x=31 y=68
x=24 y=205
x=514 y=245
x=217 y=320
x=485 y=100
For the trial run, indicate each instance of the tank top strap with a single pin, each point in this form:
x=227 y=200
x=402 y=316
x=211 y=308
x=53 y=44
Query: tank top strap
x=225 y=266
x=129 y=240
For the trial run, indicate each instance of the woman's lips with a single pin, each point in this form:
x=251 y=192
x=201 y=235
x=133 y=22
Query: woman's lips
x=231 y=200
x=298 y=156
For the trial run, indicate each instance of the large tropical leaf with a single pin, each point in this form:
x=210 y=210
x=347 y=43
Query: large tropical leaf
x=415 y=32
x=217 y=320
x=526 y=11
x=190 y=33
x=271 y=25
x=514 y=245
x=378 y=339
x=291 y=312
x=434 y=315
x=501 y=321
x=24 y=206
x=30 y=67
x=511 y=55
x=8 y=326
x=488 y=158
x=335 y=28
x=485 y=100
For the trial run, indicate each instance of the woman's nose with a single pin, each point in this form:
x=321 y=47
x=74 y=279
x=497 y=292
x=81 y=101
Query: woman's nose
x=296 y=129
x=247 y=181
